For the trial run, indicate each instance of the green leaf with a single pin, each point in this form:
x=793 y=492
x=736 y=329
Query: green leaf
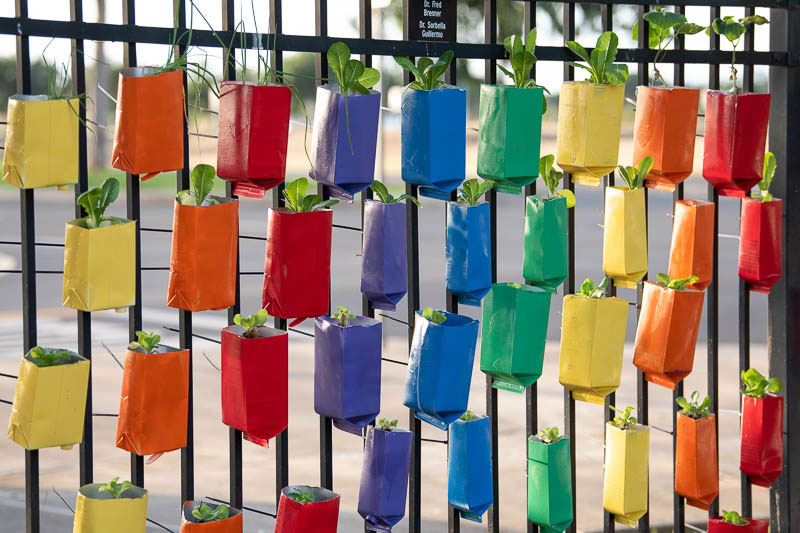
x=89 y=201
x=369 y=78
x=408 y=197
x=148 y=342
x=517 y=46
x=387 y=425
x=578 y=50
x=381 y=191
x=324 y=205
x=645 y=165
x=353 y=71
x=422 y=64
x=338 y=58
x=587 y=287
x=530 y=41
x=409 y=65
x=522 y=63
x=440 y=67
x=728 y=28
x=607 y=44
x=774 y=385
x=506 y=71
x=343 y=316
x=569 y=195
x=432 y=315
x=688 y=28
x=294 y=193
x=202 y=181
x=770 y=165
x=109 y=192
x=485 y=187
x=616 y=74
x=754 y=19
x=664 y=20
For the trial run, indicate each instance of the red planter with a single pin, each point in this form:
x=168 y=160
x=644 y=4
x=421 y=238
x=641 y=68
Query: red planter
x=297 y=271
x=760 y=238
x=717 y=525
x=255 y=383
x=253 y=134
x=761 y=455
x=319 y=516
x=735 y=137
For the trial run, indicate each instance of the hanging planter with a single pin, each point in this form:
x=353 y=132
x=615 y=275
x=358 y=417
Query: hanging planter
x=469 y=467
x=513 y=336
x=253 y=136
x=691 y=250
x=318 y=511
x=384 y=266
x=666 y=335
x=760 y=243
x=384 y=477
x=761 y=453
x=255 y=380
x=626 y=478
x=625 y=236
x=544 y=257
x=440 y=366
x=665 y=128
x=751 y=525
x=41 y=147
x=592 y=343
x=49 y=399
x=347 y=369
x=469 y=259
x=97 y=512
x=148 y=130
x=696 y=476
x=549 y=483
x=232 y=523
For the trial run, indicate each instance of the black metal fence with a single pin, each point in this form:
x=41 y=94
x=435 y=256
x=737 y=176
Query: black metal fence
x=783 y=60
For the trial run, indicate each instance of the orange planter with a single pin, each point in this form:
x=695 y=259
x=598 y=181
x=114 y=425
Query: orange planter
x=692 y=250
x=154 y=402
x=665 y=128
x=667 y=334
x=202 y=268
x=148 y=131
x=696 y=474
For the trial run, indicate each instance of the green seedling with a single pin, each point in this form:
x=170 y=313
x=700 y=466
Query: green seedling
x=664 y=27
x=732 y=517
x=468 y=416
x=343 y=316
x=431 y=314
x=115 y=489
x=43 y=357
x=301 y=496
x=733 y=29
x=147 y=342
x=589 y=290
x=386 y=197
x=675 y=284
x=201 y=185
x=552 y=178
x=549 y=435
x=427 y=74
x=693 y=407
x=601 y=65
x=298 y=202
x=624 y=420
x=770 y=165
x=95 y=202
x=515 y=285
x=471 y=191
x=205 y=513
x=634 y=176
x=522 y=58
x=387 y=425
x=251 y=323
x=757 y=386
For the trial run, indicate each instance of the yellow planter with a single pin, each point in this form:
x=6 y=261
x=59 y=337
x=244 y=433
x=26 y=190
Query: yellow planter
x=41 y=148
x=49 y=404
x=625 y=236
x=592 y=343
x=589 y=128
x=96 y=512
x=626 y=481
x=99 y=266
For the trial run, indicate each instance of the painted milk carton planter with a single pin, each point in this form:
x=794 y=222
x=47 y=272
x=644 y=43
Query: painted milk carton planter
x=121 y=508
x=469 y=467
x=626 y=470
x=731 y=522
x=202 y=517
x=304 y=509
x=761 y=454
x=696 y=473
x=691 y=251
x=549 y=480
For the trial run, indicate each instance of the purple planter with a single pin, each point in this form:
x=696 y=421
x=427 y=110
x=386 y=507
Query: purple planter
x=384 y=267
x=384 y=478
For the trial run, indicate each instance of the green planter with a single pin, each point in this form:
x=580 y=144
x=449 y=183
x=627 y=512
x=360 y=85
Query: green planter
x=514 y=330
x=544 y=256
x=509 y=135
x=549 y=484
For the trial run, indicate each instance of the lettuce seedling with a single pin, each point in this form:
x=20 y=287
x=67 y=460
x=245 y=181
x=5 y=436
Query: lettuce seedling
x=205 y=513
x=95 y=202
x=549 y=435
x=770 y=165
x=589 y=290
x=624 y=420
x=386 y=197
x=201 y=185
x=427 y=74
x=387 y=425
x=43 y=357
x=514 y=284
x=634 y=176
x=147 y=342
x=664 y=27
x=301 y=497
x=115 y=489
x=343 y=316
x=251 y=323
x=733 y=30
x=552 y=178
x=693 y=407
x=468 y=416
x=675 y=284
x=757 y=386
x=522 y=58
x=298 y=202
x=601 y=67
x=471 y=191
x=732 y=517
x=431 y=314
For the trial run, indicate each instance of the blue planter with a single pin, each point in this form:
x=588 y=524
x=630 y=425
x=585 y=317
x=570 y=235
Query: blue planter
x=434 y=137
x=440 y=368
x=469 y=468
x=384 y=266
x=347 y=371
x=469 y=256
x=384 y=478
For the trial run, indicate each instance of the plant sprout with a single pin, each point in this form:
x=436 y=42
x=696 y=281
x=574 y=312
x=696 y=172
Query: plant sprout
x=115 y=489
x=552 y=177
x=386 y=197
x=601 y=67
x=589 y=290
x=770 y=165
x=343 y=316
x=387 y=425
x=732 y=517
x=675 y=284
x=431 y=314
x=522 y=58
x=147 y=342
x=201 y=185
x=733 y=30
x=206 y=514
x=427 y=74
x=298 y=202
x=624 y=420
x=301 y=496
x=549 y=435
x=251 y=323
x=634 y=176
x=514 y=284
x=693 y=407
x=43 y=357
x=757 y=386
x=664 y=27
x=95 y=202
x=471 y=192
x=468 y=416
